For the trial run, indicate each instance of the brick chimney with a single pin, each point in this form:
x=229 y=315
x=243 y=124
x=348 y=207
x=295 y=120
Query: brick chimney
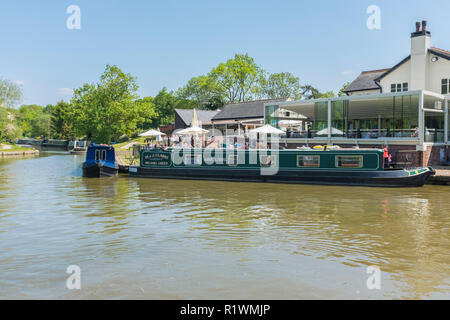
x=420 y=43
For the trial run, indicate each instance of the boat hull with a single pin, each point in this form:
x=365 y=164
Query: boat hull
x=388 y=178
x=98 y=170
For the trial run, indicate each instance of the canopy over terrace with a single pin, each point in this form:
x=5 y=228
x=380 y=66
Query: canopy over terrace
x=412 y=117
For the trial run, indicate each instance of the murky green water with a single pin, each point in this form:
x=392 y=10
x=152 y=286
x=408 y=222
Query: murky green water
x=168 y=239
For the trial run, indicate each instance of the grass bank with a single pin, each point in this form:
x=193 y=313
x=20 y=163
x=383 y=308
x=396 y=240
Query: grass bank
x=15 y=150
x=127 y=144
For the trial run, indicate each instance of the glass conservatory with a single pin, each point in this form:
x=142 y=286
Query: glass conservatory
x=413 y=117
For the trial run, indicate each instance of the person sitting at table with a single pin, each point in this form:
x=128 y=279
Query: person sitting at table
x=415 y=134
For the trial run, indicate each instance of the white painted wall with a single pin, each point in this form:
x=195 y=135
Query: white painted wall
x=419 y=72
x=364 y=92
x=419 y=62
x=432 y=79
x=437 y=71
x=400 y=75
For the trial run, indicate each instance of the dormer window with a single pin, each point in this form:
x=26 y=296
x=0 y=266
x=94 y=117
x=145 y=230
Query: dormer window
x=399 y=87
x=445 y=86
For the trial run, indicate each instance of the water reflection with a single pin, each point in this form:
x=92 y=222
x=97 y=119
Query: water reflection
x=397 y=229
x=218 y=239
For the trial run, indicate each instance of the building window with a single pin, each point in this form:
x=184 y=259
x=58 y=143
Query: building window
x=349 y=161
x=308 y=161
x=445 y=86
x=399 y=87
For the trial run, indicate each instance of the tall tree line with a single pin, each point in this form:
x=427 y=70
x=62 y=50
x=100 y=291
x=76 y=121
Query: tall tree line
x=106 y=110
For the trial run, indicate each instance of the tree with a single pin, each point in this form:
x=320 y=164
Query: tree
x=49 y=109
x=328 y=94
x=9 y=128
x=27 y=114
x=106 y=110
x=10 y=93
x=283 y=85
x=60 y=120
x=341 y=92
x=310 y=92
x=41 y=125
x=165 y=104
x=205 y=91
x=146 y=113
x=240 y=79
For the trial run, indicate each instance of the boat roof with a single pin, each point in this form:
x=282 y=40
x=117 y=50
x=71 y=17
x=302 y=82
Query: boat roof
x=101 y=146
x=280 y=150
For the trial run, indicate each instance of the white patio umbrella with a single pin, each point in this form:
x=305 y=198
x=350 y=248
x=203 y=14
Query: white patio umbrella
x=289 y=123
x=267 y=129
x=194 y=128
x=326 y=131
x=152 y=133
x=191 y=131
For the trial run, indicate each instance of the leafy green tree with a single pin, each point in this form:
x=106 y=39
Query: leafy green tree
x=165 y=104
x=60 y=120
x=9 y=128
x=106 y=110
x=147 y=114
x=48 y=109
x=27 y=113
x=10 y=93
x=328 y=94
x=283 y=85
x=205 y=91
x=240 y=78
x=310 y=92
x=3 y=123
x=341 y=92
x=41 y=125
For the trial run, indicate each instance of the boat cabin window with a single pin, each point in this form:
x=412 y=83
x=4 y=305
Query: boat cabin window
x=103 y=154
x=97 y=155
x=267 y=161
x=349 y=161
x=193 y=160
x=308 y=161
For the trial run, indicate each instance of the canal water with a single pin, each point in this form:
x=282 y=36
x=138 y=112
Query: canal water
x=169 y=239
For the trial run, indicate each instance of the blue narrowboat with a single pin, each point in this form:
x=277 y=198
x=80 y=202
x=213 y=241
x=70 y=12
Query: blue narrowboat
x=100 y=161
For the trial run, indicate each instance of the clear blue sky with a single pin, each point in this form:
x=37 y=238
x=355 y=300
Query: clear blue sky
x=165 y=43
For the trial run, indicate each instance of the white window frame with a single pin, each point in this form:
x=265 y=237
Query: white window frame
x=399 y=87
x=447 y=85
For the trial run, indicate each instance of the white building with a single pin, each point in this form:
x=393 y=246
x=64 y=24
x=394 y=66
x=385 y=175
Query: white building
x=425 y=68
x=404 y=108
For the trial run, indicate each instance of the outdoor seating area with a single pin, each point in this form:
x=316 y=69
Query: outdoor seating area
x=418 y=116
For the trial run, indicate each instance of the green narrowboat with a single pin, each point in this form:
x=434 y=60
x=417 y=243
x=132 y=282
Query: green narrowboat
x=353 y=167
